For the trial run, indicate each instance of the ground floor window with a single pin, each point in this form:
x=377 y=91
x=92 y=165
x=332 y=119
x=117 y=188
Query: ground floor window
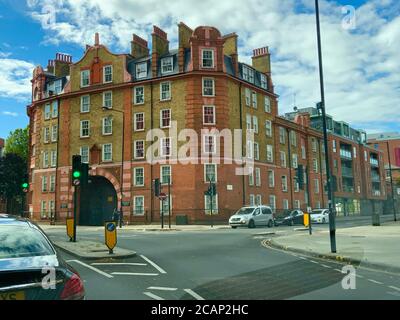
x=164 y=206
x=207 y=204
x=138 y=208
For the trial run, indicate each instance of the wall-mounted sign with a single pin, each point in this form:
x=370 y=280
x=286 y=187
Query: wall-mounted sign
x=64 y=205
x=110 y=235
x=126 y=203
x=229 y=187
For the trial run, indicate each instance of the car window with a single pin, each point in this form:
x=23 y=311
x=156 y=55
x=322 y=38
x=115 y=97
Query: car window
x=257 y=212
x=266 y=211
x=246 y=210
x=21 y=241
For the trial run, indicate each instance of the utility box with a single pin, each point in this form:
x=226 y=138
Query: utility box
x=181 y=220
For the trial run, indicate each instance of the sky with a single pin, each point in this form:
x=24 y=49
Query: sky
x=360 y=44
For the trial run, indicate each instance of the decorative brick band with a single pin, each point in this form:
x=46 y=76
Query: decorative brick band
x=140 y=41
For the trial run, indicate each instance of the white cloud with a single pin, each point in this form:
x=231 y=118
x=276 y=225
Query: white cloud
x=9 y=113
x=361 y=66
x=15 y=76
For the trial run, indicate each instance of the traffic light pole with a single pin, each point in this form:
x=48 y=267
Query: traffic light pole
x=332 y=227
x=391 y=181
x=169 y=202
x=308 y=201
x=76 y=190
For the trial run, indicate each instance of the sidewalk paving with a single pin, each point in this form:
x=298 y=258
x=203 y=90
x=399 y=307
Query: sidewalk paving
x=369 y=246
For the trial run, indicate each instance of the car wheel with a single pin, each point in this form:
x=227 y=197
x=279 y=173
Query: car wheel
x=270 y=224
x=233 y=227
x=251 y=224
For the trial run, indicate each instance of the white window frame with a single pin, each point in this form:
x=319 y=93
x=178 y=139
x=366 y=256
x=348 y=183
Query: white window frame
x=295 y=161
x=82 y=154
x=297 y=204
x=54 y=109
x=104 y=99
x=271 y=178
x=316 y=186
x=204 y=114
x=142 y=74
x=252 y=200
x=135 y=115
x=135 y=144
x=282 y=157
x=215 y=172
x=272 y=202
x=81 y=129
x=248 y=97
x=162 y=174
x=263 y=81
x=82 y=103
x=161 y=118
x=167 y=62
x=267 y=104
x=44 y=184
x=255 y=124
x=212 y=58
x=285 y=204
x=52 y=183
x=214 y=144
x=83 y=72
x=270 y=153
x=204 y=79
x=162 y=143
x=45 y=159
x=254 y=99
x=251 y=176
x=314 y=145
x=46 y=135
x=104 y=73
x=258 y=177
x=293 y=138
x=135 y=213
x=103 y=127
x=315 y=165
x=284 y=184
x=282 y=135
x=268 y=128
x=135 y=95
x=168 y=93
x=103 y=152
x=47 y=111
x=135 y=175
x=256 y=150
x=207 y=206
x=249 y=122
x=53 y=158
x=303 y=152
x=258 y=200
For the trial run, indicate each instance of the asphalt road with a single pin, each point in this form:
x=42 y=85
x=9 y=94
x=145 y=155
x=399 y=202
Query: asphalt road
x=221 y=264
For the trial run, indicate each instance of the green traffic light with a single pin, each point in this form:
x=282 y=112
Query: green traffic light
x=76 y=174
x=25 y=185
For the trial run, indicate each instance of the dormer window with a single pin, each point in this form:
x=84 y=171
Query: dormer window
x=141 y=70
x=264 y=81
x=207 y=58
x=167 y=65
x=248 y=74
x=85 y=78
x=107 y=74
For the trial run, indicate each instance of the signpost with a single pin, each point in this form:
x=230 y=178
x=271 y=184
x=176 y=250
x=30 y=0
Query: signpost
x=110 y=235
x=70 y=229
x=162 y=196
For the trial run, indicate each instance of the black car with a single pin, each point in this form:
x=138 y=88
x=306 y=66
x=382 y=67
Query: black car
x=30 y=267
x=294 y=217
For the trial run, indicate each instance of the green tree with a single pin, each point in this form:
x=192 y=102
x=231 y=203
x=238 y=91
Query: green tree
x=12 y=171
x=18 y=143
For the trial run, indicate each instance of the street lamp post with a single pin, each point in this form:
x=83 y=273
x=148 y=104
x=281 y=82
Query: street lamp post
x=122 y=159
x=321 y=106
x=391 y=181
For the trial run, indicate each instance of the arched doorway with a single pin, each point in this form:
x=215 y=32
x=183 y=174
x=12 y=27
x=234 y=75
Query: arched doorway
x=98 y=201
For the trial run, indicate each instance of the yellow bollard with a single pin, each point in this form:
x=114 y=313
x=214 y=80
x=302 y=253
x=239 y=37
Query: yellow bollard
x=70 y=228
x=306 y=219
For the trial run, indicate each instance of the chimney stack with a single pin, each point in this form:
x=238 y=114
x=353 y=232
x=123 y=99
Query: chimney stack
x=139 y=47
x=230 y=49
x=261 y=60
x=160 y=46
x=96 y=39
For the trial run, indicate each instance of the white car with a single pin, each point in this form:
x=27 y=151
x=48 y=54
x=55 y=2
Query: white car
x=252 y=217
x=320 y=216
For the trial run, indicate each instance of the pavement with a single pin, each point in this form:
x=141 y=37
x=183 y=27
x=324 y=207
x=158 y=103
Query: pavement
x=367 y=246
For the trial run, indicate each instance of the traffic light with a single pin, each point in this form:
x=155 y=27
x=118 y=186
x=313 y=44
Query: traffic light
x=300 y=176
x=76 y=170
x=25 y=184
x=84 y=174
x=157 y=187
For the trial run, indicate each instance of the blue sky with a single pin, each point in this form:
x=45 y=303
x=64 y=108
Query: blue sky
x=361 y=83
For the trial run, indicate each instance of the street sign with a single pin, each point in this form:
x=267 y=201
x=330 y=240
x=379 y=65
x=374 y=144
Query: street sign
x=162 y=196
x=110 y=235
x=70 y=228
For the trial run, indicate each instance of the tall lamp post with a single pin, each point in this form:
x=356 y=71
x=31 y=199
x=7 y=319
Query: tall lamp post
x=122 y=158
x=391 y=181
x=321 y=106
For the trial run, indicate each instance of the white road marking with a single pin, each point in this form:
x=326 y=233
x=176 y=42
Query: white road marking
x=338 y=270
x=194 y=294
x=302 y=258
x=117 y=264
x=162 y=288
x=325 y=266
x=359 y=276
x=153 y=264
x=134 y=274
x=92 y=268
x=374 y=281
x=314 y=261
x=395 y=288
x=153 y=296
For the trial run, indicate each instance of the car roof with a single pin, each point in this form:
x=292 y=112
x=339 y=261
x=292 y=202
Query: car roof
x=7 y=219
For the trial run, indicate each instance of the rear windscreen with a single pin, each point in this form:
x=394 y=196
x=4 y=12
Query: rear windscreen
x=21 y=241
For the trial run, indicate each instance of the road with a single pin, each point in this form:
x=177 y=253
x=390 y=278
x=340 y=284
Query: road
x=223 y=264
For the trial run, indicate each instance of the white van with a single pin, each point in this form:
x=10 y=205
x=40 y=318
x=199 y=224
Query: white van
x=252 y=217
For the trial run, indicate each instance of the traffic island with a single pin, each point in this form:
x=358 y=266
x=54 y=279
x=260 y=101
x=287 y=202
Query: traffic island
x=366 y=246
x=92 y=250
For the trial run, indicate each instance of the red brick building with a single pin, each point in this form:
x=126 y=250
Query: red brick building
x=119 y=112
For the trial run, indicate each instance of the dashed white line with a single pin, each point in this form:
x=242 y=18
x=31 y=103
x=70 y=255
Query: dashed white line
x=118 y=264
x=153 y=264
x=194 y=294
x=359 y=276
x=134 y=274
x=92 y=268
x=338 y=270
x=162 y=288
x=315 y=262
x=374 y=281
x=395 y=288
x=153 y=296
x=325 y=266
x=302 y=258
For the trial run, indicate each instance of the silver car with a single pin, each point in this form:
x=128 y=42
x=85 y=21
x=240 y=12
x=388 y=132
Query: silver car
x=320 y=216
x=252 y=217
